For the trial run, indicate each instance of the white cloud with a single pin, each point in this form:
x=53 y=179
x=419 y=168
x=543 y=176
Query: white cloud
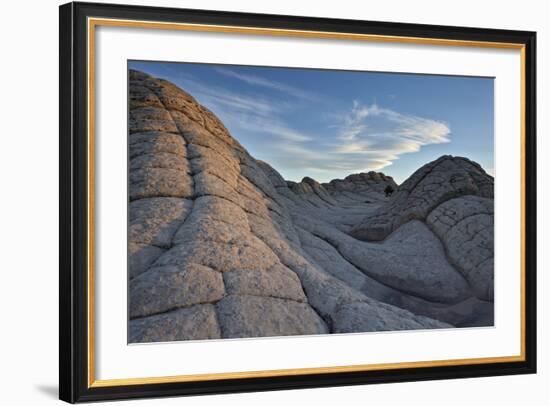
x=368 y=137
x=381 y=135
x=211 y=95
x=252 y=113
x=271 y=84
x=265 y=125
x=276 y=128
x=364 y=123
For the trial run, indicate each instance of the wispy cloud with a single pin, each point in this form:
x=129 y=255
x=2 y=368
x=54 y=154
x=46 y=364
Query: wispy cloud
x=268 y=83
x=253 y=113
x=273 y=126
x=366 y=124
x=214 y=95
x=368 y=137
x=381 y=135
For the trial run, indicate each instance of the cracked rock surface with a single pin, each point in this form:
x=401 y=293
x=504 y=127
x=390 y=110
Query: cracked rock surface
x=427 y=188
x=221 y=246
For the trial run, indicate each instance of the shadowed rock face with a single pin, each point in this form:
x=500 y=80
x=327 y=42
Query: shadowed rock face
x=455 y=197
x=465 y=226
x=221 y=246
x=427 y=188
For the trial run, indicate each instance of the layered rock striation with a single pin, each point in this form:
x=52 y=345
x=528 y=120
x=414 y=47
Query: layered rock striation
x=221 y=246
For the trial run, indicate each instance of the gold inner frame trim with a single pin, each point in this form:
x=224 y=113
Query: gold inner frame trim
x=92 y=23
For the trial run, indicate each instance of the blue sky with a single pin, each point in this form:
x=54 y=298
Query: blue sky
x=327 y=124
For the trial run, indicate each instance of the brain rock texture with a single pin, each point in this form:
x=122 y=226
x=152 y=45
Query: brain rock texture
x=221 y=246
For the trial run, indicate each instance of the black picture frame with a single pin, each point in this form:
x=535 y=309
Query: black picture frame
x=74 y=199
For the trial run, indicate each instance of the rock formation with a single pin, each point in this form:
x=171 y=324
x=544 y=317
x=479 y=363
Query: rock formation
x=221 y=246
x=427 y=188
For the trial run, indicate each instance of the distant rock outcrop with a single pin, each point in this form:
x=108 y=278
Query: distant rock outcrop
x=431 y=185
x=360 y=184
x=220 y=245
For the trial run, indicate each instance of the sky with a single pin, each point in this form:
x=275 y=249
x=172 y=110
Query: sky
x=327 y=124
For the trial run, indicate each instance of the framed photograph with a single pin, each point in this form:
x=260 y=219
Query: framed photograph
x=257 y=202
